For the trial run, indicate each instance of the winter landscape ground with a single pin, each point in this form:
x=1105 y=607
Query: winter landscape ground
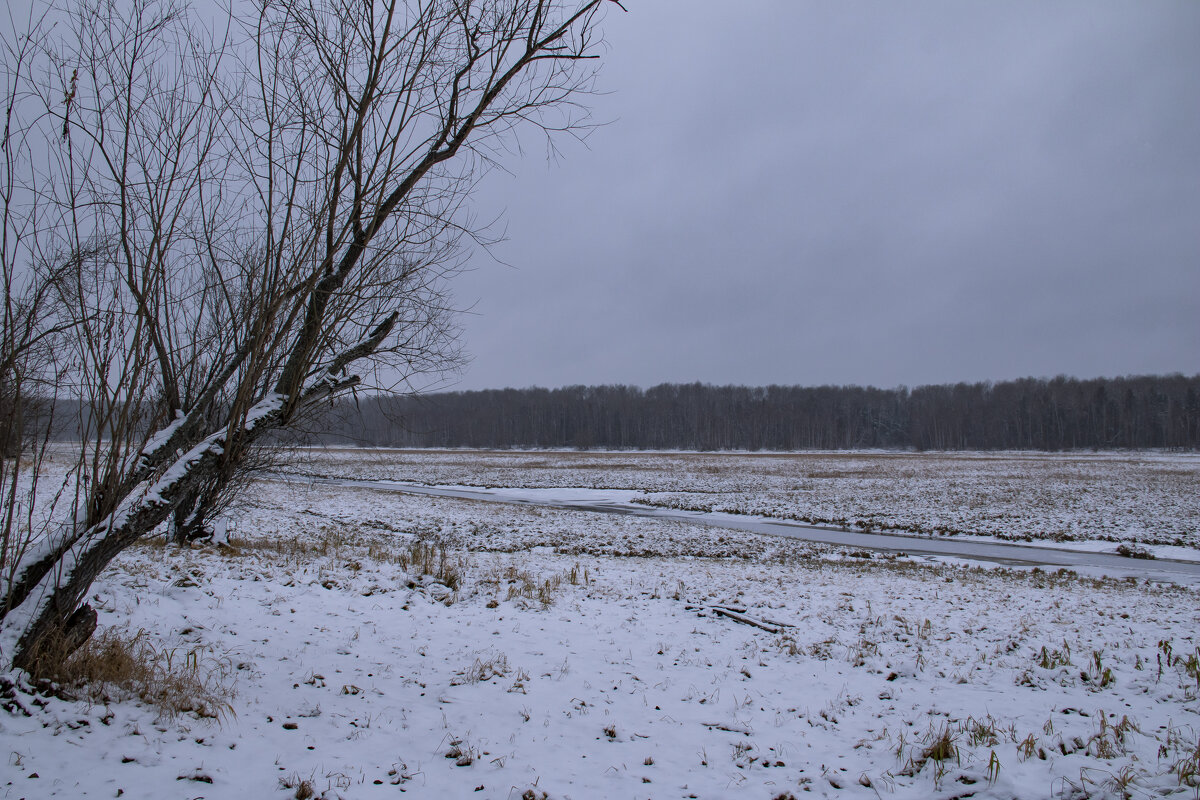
x=354 y=642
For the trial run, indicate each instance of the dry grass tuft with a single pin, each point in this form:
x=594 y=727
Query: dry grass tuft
x=522 y=584
x=1187 y=769
x=942 y=746
x=116 y=665
x=463 y=754
x=304 y=788
x=433 y=558
x=482 y=670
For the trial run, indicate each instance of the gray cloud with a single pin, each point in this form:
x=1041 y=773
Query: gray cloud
x=860 y=192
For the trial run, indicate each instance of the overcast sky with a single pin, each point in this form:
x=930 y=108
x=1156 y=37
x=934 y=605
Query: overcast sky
x=858 y=192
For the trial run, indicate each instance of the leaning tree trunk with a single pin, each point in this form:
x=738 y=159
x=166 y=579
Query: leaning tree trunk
x=190 y=519
x=187 y=521
x=52 y=622
x=42 y=615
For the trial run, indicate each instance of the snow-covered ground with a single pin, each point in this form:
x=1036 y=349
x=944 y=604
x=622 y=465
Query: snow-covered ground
x=574 y=655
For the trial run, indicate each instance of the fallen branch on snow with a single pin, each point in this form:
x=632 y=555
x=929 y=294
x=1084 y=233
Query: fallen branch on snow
x=739 y=615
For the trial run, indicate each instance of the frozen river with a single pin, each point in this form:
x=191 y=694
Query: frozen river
x=609 y=501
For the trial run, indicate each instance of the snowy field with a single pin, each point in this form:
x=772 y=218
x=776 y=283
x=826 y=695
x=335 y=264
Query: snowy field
x=359 y=644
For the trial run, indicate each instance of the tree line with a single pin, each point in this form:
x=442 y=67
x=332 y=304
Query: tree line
x=1032 y=413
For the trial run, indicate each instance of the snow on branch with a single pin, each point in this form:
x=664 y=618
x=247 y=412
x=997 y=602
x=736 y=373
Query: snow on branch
x=365 y=347
x=272 y=403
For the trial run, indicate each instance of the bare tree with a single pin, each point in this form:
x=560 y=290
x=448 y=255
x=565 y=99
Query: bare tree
x=242 y=221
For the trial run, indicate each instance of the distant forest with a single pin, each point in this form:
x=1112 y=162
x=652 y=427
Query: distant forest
x=1035 y=414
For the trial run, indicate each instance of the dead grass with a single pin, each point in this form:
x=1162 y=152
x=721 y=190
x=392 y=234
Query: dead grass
x=941 y=746
x=349 y=546
x=1187 y=768
x=434 y=559
x=484 y=669
x=329 y=541
x=116 y=664
x=304 y=787
x=521 y=584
